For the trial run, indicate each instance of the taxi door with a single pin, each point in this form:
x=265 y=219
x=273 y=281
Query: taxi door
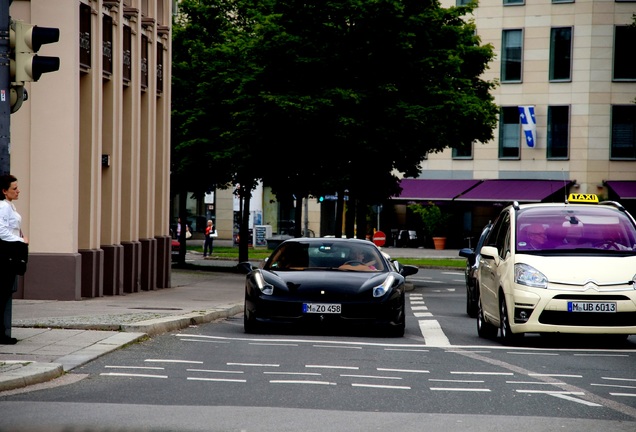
x=492 y=267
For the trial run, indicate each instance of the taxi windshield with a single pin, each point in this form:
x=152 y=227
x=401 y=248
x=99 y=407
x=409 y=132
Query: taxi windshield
x=574 y=227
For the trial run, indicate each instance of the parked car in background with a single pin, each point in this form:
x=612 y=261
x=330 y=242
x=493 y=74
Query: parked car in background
x=471 y=273
x=559 y=268
x=327 y=282
x=175 y=249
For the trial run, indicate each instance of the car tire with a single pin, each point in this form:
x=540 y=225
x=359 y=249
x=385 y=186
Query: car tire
x=472 y=302
x=484 y=328
x=249 y=323
x=507 y=336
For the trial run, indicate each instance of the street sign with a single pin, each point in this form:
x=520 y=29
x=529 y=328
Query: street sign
x=379 y=238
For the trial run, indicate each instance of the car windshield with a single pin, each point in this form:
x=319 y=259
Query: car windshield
x=342 y=256
x=574 y=227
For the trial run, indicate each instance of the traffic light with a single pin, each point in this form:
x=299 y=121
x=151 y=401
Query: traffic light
x=25 y=41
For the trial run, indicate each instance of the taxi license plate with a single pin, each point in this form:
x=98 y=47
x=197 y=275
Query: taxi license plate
x=326 y=308
x=592 y=307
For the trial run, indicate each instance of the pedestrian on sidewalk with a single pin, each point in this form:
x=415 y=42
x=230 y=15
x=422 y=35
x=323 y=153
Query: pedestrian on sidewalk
x=208 y=243
x=10 y=231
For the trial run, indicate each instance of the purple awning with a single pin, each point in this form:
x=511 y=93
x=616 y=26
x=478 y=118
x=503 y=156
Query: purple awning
x=625 y=189
x=434 y=190
x=515 y=190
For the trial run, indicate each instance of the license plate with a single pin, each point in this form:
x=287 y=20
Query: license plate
x=591 y=307
x=326 y=308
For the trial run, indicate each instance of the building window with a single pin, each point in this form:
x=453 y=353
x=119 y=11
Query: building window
x=513 y=2
x=107 y=45
x=562 y=1
x=463 y=152
x=144 y=62
x=509 y=133
x=561 y=54
x=623 y=132
x=85 y=37
x=461 y=2
x=624 y=65
x=127 y=55
x=558 y=132
x=159 y=68
x=511 y=55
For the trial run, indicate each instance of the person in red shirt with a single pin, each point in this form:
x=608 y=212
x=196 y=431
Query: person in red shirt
x=210 y=233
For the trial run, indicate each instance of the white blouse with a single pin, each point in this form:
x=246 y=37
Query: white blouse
x=10 y=221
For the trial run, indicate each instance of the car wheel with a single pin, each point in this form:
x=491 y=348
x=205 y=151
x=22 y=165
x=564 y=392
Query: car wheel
x=249 y=323
x=398 y=329
x=507 y=336
x=471 y=302
x=484 y=328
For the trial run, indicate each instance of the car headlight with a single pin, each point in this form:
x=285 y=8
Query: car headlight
x=634 y=281
x=265 y=288
x=530 y=276
x=382 y=289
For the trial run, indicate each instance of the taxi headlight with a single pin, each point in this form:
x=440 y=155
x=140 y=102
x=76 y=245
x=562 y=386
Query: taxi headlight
x=380 y=290
x=530 y=276
x=265 y=288
x=634 y=282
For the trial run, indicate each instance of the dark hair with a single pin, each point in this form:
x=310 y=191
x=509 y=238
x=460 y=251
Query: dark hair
x=5 y=183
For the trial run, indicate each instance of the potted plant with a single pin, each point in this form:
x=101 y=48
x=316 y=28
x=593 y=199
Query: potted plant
x=434 y=222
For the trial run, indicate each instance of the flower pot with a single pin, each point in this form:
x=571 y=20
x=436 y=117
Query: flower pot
x=439 y=243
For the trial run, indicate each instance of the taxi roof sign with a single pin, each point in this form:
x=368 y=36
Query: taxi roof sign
x=583 y=198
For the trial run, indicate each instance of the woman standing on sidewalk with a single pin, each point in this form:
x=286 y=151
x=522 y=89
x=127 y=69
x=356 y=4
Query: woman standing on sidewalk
x=10 y=231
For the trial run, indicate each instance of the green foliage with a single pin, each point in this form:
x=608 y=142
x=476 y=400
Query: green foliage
x=366 y=86
x=434 y=222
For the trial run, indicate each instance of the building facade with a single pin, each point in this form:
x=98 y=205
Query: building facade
x=571 y=61
x=91 y=150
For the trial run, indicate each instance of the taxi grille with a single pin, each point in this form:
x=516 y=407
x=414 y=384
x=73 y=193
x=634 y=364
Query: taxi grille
x=583 y=319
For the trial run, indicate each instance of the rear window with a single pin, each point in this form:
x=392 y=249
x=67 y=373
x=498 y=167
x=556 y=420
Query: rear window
x=574 y=227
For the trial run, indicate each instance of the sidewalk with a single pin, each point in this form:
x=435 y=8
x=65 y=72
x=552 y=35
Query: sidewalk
x=57 y=336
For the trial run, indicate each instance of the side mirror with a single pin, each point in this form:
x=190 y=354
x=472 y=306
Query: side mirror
x=469 y=254
x=408 y=270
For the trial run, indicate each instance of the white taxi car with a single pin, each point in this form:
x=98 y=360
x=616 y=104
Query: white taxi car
x=559 y=268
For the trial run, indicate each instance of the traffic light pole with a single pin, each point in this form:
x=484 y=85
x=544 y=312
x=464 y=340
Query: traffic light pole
x=5 y=91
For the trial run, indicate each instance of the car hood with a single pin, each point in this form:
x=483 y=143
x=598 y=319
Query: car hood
x=308 y=281
x=582 y=269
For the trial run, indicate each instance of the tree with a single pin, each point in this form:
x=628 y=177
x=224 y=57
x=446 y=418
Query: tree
x=365 y=88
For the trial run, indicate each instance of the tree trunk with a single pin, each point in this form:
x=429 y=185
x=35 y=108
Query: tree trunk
x=183 y=220
x=298 y=219
x=244 y=229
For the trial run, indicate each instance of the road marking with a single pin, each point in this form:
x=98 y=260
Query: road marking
x=422 y=314
x=132 y=375
x=459 y=389
x=253 y=364
x=332 y=367
x=172 y=361
x=433 y=334
x=302 y=382
x=216 y=379
x=573 y=399
x=382 y=386
x=403 y=370
x=371 y=376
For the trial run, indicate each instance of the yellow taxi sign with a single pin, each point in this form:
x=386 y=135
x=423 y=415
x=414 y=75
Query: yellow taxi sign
x=583 y=198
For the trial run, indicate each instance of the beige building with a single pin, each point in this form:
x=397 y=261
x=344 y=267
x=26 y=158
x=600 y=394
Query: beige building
x=91 y=150
x=572 y=60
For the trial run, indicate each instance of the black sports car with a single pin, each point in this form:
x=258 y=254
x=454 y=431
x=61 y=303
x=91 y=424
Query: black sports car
x=321 y=282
